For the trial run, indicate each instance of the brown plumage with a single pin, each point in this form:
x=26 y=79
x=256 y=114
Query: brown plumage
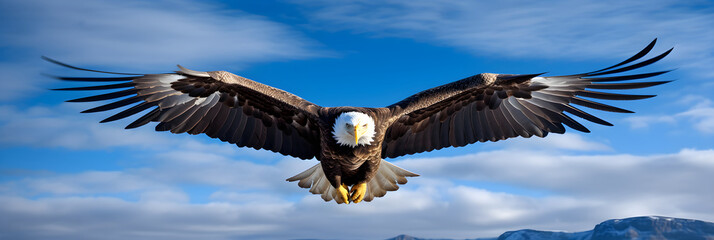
x=483 y=107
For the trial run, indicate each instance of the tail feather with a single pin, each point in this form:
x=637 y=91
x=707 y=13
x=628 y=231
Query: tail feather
x=387 y=179
x=306 y=177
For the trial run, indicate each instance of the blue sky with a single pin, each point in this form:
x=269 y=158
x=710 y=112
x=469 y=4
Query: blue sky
x=65 y=176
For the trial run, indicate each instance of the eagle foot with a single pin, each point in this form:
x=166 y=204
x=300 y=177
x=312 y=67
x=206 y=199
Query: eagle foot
x=342 y=195
x=357 y=192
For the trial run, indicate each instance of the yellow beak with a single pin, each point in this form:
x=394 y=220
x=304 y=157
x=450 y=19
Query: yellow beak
x=358 y=133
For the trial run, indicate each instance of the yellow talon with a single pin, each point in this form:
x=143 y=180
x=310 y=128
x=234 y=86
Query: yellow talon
x=342 y=195
x=357 y=192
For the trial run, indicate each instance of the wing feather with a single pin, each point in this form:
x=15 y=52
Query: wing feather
x=493 y=107
x=106 y=96
x=146 y=118
x=220 y=104
x=100 y=87
x=128 y=112
x=467 y=125
x=114 y=105
x=210 y=115
x=518 y=111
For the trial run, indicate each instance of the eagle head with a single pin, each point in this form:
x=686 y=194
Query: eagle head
x=353 y=129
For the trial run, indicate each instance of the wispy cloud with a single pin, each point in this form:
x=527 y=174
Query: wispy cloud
x=578 y=175
x=702 y=117
x=136 y=33
x=131 y=36
x=646 y=121
x=699 y=115
x=63 y=127
x=539 y=30
x=567 y=141
x=90 y=182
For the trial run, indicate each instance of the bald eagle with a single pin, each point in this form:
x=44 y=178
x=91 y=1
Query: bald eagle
x=351 y=143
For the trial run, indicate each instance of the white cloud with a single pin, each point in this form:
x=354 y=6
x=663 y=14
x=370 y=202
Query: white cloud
x=89 y=182
x=219 y=170
x=62 y=126
x=533 y=29
x=567 y=141
x=639 y=122
x=164 y=196
x=702 y=118
x=243 y=197
x=15 y=82
x=699 y=115
x=614 y=176
x=111 y=218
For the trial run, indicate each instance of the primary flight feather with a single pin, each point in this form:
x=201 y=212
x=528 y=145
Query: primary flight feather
x=351 y=142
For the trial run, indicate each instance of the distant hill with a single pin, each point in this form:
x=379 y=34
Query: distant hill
x=407 y=237
x=654 y=228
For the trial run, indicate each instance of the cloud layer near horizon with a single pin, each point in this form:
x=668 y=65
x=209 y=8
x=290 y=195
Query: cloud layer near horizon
x=250 y=200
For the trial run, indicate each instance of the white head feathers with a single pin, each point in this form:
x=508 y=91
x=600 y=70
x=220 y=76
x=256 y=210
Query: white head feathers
x=353 y=125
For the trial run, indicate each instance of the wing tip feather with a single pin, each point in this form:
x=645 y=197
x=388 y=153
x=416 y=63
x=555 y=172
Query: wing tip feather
x=82 y=69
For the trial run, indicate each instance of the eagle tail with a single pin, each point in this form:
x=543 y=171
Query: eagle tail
x=387 y=179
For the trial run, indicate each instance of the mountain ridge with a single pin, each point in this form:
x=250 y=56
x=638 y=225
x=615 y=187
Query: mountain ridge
x=644 y=227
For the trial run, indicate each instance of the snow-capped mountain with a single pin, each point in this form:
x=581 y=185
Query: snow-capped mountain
x=653 y=228
x=650 y=228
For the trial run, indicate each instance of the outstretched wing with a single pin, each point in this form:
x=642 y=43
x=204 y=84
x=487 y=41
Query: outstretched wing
x=220 y=104
x=492 y=107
